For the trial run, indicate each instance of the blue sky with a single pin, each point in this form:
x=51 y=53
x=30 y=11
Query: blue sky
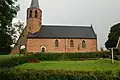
x=102 y=14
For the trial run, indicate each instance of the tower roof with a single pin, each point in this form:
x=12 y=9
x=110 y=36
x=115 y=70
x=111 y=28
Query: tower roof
x=34 y=4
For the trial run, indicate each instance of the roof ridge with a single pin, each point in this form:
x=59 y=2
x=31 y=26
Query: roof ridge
x=66 y=26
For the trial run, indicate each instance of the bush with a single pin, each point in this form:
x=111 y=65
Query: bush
x=70 y=56
x=10 y=62
x=23 y=51
x=117 y=57
x=29 y=74
x=15 y=61
x=3 y=53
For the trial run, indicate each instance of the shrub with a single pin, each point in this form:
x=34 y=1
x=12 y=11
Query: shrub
x=23 y=51
x=29 y=74
x=117 y=57
x=15 y=61
x=10 y=62
x=3 y=53
x=70 y=56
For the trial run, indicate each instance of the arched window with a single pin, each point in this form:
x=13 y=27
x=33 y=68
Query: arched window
x=43 y=49
x=36 y=14
x=56 y=43
x=71 y=43
x=30 y=15
x=83 y=44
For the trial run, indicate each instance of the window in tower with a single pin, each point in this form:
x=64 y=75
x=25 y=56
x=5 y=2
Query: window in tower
x=36 y=14
x=30 y=15
x=30 y=28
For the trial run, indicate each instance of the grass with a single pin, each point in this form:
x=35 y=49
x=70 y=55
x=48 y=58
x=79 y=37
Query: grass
x=89 y=65
x=8 y=56
x=5 y=56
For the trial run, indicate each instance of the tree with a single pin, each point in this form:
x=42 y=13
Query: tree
x=5 y=43
x=113 y=36
x=16 y=30
x=8 y=10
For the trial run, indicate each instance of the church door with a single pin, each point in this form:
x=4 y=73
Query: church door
x=43 y=49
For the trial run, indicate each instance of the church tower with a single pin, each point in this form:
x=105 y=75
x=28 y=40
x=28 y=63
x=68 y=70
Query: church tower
x=34 y=17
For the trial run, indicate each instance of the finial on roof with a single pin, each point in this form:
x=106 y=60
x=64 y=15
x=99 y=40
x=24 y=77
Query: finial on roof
x=91 y=25
x=34 y=4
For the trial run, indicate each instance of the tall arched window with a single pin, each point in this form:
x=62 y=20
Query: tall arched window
x=30 y=15
x=83 y=44
x=56 y=43
x=36 y=14
x=71 y=43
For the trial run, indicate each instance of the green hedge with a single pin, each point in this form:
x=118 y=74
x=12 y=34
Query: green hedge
x=70 y=56
x=29 y=74
x=14 y=61
x=11 y=62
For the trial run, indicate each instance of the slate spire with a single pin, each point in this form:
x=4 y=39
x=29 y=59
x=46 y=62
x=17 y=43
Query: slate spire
x=34 y=4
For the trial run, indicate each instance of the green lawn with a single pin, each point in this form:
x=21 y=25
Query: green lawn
x=5 y=56
x=8 y=56
x=89 y=65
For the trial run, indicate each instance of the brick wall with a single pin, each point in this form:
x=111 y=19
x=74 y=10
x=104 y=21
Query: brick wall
x=21 y=41
x=35 y=45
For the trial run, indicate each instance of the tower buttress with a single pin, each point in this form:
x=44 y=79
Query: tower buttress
x=34 y=17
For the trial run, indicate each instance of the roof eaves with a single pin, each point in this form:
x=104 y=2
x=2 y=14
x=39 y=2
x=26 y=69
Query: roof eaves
x=61 y=37
x=93 y=31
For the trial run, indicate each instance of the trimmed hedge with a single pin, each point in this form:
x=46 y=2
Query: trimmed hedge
x=11 y=62
x=14 y=61
x=29 y=74
x=70 y=56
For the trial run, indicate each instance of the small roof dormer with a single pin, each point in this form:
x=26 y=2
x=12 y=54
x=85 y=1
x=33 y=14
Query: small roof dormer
x=34 y=4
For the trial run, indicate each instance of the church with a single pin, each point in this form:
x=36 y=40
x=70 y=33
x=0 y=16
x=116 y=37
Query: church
x=54 y=38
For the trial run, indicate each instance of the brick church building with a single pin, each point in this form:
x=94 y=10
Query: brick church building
x=54 y=38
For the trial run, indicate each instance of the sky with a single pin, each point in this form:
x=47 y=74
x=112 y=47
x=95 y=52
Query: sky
x=102 y=14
